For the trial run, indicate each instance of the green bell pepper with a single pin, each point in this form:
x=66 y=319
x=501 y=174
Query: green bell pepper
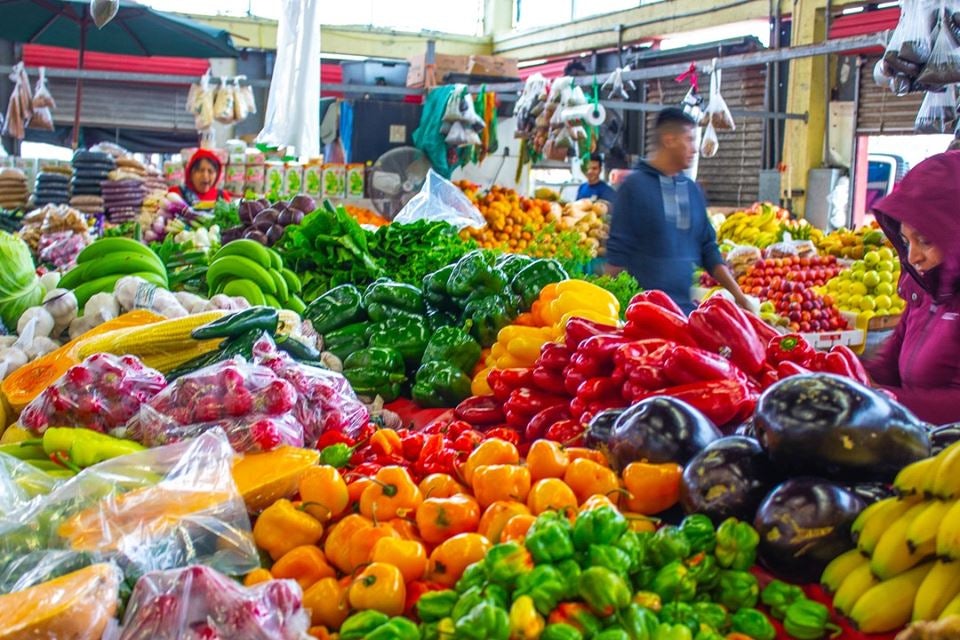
x=485 y=621
x=808 y=620
x=335 y=309
x=345 y=340
x=704 y=569
x=611 y=557
x=384 y=299
x=712 y=614
x=490 y=594
x=545 y=585
x=680 y=613
x=453 y=345
x=602 y=525
x=437 y=319
x=753 y=623
x=612 y=633
x=475 y=272
x=667 y=545
x=441 y=630
x=604 y=591
x=550 y=538
x=570 y=572
x=440 y=384
x=699 y=532
x=489 y=313
x=232 y=325
x=435 y=289
x=640 y=622
x=708 y=633
x=634 y=546
x=674 y=582
x=561 y=631
x=672 y=632
x=737 y=590
x=375 y=371
x=360 y=625
x=408 y=335
x=473 y=576
x=530 y=280
x=434 y=606
x=506 y=562
x=736 y=545
x=578 y=616
x=778 y=596
x=397 y=628
x=512 y=263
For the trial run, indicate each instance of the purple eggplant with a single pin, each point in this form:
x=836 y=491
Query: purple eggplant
x=304 y=203
x=600 y=428
x=729 y=478
x=943 y=437
x=804 y=523
x=831 y=426
x=659 y=429
x=870 y=492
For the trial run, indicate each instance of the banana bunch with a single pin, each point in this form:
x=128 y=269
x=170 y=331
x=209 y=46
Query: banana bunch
x=905 y=565
x=102 y=263
x=846 y=243
x=247 y=269
x=754 y=229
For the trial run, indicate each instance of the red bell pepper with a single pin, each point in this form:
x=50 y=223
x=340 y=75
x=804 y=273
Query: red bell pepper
x=765 y=332
x=577 y=330
x=554 y=356
x=468 y=440
x=503 y=381
x=647 y=320
x=504 y=433
x=646 y=369
x=636 y=350
x=412 y=443
x=598 y=389
x=786 y=369
x=684 y=365
x=567 y=432
x=480 y=410
x=549 y=380
x=723 y=401
x=792 y=347
x=528 y=402
x=842 y=361
x=594 y=356
x=658 y=298
x=719 y=326
x=767 y=376
x=539 y=423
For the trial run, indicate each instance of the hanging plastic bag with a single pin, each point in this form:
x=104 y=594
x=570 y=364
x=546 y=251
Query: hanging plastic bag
x=240 y=108
x=717 y=112
x=103 y=11
x=918 y=24
x=938 y=112
x=42 y=103
x=710 y=144
x=223 y=102
x=200 y=103
x=943 y=66
x=439 y=199
x=952 y=19
x=20 y=106
x=245 y=93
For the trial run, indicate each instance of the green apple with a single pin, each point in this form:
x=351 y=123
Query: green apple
x=885 y=288
x=871 y=258
x=885 y=265
x=885 y=276
x=883 y=302
x=868 y=303
x=885 y=253
x=858 y=288
x=870 y=279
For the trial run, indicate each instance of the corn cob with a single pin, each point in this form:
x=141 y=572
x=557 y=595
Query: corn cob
x=170 y=360
x=163 y=337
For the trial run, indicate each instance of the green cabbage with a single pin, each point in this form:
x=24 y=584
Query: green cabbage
x=20 y=287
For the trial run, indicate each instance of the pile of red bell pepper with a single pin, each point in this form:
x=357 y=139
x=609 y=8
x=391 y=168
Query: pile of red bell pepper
x=719 y=359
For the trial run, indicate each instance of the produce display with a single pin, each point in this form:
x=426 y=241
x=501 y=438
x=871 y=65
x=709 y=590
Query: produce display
x=869 y=287
x=762 y=225
x=852 y=244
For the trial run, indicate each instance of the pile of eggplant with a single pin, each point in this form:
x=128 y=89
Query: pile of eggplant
x=818 y=449
x=265 y=222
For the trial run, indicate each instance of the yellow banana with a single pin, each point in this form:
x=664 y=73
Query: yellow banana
x=922 y=532
x=947 y=482
x=857 y=583
x=840 y=567
x=938 y=589
x=876 y=523
x=889 y=605
x=952 y=608
x=892 y=555
x=913 y=478
x=948 y=535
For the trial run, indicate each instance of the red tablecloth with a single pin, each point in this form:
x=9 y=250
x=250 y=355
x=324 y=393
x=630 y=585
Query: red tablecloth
x=413 y=415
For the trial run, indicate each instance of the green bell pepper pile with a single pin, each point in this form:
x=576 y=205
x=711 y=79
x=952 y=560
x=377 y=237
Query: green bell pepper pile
x=375 y=371
x=335 y=309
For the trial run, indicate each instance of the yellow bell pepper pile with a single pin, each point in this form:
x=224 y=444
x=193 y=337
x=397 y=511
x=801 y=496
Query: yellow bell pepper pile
x=519 y=344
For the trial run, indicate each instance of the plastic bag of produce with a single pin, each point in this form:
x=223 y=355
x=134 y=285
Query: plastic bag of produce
x=20 y=106
x=938 y=112
x=742 y=257
x=910 y=43
x=103 y=11
x=200 y=103
x=41 y=94
x=717 y=113
x=241 y=109
x=440 y=199
x=709 y=145
x=250 y=403
x=197 y=602
x=943 y=66
x=101 y=393
x=224 y=101
x=21 y=483
x=156 y=509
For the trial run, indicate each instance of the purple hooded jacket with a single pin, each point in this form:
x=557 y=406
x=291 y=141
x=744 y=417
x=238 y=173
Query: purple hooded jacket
x=920 y=362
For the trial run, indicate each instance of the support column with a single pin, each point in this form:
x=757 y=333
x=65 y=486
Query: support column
x=497 y=16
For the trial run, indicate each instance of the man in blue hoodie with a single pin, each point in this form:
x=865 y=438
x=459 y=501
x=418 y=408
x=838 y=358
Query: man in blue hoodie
x=659 y=229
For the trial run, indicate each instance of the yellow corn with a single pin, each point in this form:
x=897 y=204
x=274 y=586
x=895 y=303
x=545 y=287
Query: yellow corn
x=166 y=362
x=158 y=338
x=289 y=322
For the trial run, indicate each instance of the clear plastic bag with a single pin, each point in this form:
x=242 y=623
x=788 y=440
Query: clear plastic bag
x=21 y=483
x=20 y=106
x=103 y=11
x=742 y=257
x=157 y=509
x=439 y=199
x=61 y=249
x=250 y=403
x=240 y=107
x=223 y=102
x=717 y=113
x=917 y=20
x=200 y=103
x=41 y=94
x=938 y=112
x=710 y=144
x=196 y=603
x=943 y=66
x=101 y=393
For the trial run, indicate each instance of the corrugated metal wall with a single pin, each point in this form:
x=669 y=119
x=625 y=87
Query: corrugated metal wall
x=123 y=105
x=880 y=111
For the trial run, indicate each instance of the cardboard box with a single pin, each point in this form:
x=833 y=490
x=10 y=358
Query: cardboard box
x=496 y=66
x=334 y=180
x=293 y=179
x=443 y=64
x=273 y=178
x=356 y=177
x=313 y=180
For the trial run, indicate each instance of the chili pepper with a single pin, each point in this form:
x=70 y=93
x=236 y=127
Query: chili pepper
x=337 y=455
x=561 y=631
x=259 y=319
x=590 y=478
x=496 y=516
x=297 y=349
x=83 y=447
x=282 y=527
x=707 y=633
x=545 y=585
x=598 y=389
x=787 y=369
x=488 y=453
x=506 y=562
x=723 y=401
x=667 y=631
x=612 y=633
x=450 y=558
x=604 y=591
x=684 y=365
x=754 y=624
x=550 y=539
x=475 y=271
x=503 y=381
x=529 y=402
x=610 y=557
x=792 y=347
x=440 y=384
x=397 y=628
x=411 y=443
x=480 y=411
x=537 y=426
x=306 y=564
x=468 y=441
x=699 y=531
x=549 y=380
x=576 y=615
x=572 y=379
x=680 y=613
x=555 y=356
x=577 y=330
x=500 y=482
x=385 y=442
x=375 y=371
x=719 y=326
x=704 y=569
x=531 y=279
x=525 y=622
x=485 y=620
x=379 y=587
x=667 y=545
x=594 y=356
x=639 y=622
x=737 y=589
x=436 y=605
x=736 y=545
x=842 y=361
x=658 y=298
x=567 y=432
x=359 y=625
x=489 y=314
x=453 y=345
x=392 y=494
x=778 y=596
x=336 y=308
x=648 y=320
x=407 y=335
x=712 y=614
x=332 y=436
x=651 y=488
x=674 y=582
x=345 y=340
x=508 y=434
x=603 y=525
x=808 y=620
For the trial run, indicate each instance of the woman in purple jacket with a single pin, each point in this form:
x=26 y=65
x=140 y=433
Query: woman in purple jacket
x=920 y=362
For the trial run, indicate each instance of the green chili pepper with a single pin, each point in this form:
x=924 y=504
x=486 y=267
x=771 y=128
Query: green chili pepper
x=808 y=620
x=506 y=562
x=640 y=622
x=440 y=384
x=384 y=299
x=699 y=532
x=602 y=525
x=337 y=455
x=704 y=569
x=680 y=613
x=611 y=557
x=672 y=632
x=436 y=605
x=407 y=335
x=612 y=633
x=397 y=628
x=530 y=281
x=297 y=349
x=708 y=633
x=473 y=576
x=604 y=591
x=475 y=272
x=337 y=308
x=455 y=346
x=778 y=596
x=578 y=616
x=754 y=624
x=550 y=538
x=736 y=545
x=713 y=614
x=85 y=447
x=560 y=631
x=484 y=621
x=632 y=544
x=435 y=289
x=360 y=625
x=545 y=585
x=375 y=371
x=570 y=572
x=345 y=340
x=28 y=450
x=490 y=593
x=234 y=324
x=674 y=582
x=737 y=590
x=489 y=314
x=668 y=545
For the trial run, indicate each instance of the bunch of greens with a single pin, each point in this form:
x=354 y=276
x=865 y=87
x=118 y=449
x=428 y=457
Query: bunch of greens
x=408 y=252
x=225 y=214
x=564 y=246
x=623 y=286
x=186 y=265
x=19 y=285
x=124 y=230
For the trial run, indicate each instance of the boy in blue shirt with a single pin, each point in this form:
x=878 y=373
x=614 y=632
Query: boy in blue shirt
x=594 y=187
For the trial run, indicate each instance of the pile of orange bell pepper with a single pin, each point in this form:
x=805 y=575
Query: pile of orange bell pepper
x=357 y=543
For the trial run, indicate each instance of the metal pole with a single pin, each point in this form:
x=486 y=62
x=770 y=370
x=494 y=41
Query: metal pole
x=79 y=96
x=826 y=87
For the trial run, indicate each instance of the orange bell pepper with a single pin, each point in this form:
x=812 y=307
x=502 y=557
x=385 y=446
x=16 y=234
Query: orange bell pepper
x=551 y=494
x=576 y=453
x=409 y=556
x=440 y=485
x=588 y=478
x=516 y=528
x=405 y=529
x=323 y=492
x=350 y=541
x=492 y=451
x=306 y=564
x=651 y=488
x=282 y=526
x=494 y=482
x=386 y=442
x=355 y=489
x=379 y=587
x=392 y=494
x=547 y=459
x=256 y=577
x=595 y=501
x=452 y=556
x=496 y=516
x=442 y=518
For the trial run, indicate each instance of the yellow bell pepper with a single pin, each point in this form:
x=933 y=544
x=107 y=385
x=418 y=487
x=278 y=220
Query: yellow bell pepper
x=588 y=314
x=508 y=361
x=525 y=622
x=586 y=288
x=479 y=385
x=577 y=301
x=282 y=527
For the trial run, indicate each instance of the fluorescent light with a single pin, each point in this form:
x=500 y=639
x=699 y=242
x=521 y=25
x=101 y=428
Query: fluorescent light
x=852 y=10
x=532 y=63
x=887 y=5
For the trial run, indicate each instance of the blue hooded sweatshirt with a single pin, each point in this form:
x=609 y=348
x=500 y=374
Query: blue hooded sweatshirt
x=659 y=231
